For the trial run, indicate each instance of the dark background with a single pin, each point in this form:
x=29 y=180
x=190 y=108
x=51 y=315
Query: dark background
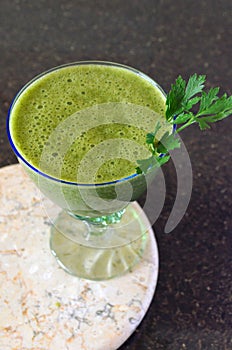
x=192 y=307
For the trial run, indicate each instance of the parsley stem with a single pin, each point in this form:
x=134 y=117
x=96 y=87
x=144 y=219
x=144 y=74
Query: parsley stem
x=191 y=121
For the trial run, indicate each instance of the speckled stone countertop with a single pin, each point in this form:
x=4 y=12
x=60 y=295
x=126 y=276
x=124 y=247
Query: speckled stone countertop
x=42 y=306
x=192 y=307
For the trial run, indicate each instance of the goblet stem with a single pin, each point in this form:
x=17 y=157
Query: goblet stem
x=99 y=251
x=102 y=220
x=98 y=226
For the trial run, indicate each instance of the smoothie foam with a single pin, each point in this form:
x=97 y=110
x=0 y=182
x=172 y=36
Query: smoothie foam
x=78 y=96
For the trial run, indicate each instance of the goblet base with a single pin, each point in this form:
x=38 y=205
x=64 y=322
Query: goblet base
x=110 y=253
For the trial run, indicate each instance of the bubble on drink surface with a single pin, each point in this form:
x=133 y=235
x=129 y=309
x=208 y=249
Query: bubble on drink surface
x=94 y=131
x=56 y=97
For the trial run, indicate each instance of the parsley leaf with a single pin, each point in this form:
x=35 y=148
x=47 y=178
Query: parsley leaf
x=150 y=138
x=167 y=143
x=151 y=163
x=182 y=97
x=159 y=150
x=194 y=86
x=175 y=98
x=216 y=105
x=208 y=98
x=146 y=164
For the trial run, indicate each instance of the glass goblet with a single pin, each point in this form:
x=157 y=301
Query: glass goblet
x=100 y=232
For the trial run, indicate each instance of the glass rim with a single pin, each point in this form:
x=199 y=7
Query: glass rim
x=48 y=71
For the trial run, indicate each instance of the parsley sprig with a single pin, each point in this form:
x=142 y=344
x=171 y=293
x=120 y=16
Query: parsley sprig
x=181 y=100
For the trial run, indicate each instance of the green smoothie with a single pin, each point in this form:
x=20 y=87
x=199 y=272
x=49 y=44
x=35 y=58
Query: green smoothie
x=98 y=105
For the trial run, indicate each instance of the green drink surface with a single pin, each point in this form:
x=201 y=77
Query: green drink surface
x=74 y=97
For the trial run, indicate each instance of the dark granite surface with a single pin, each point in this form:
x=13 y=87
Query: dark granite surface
x=192 y=307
